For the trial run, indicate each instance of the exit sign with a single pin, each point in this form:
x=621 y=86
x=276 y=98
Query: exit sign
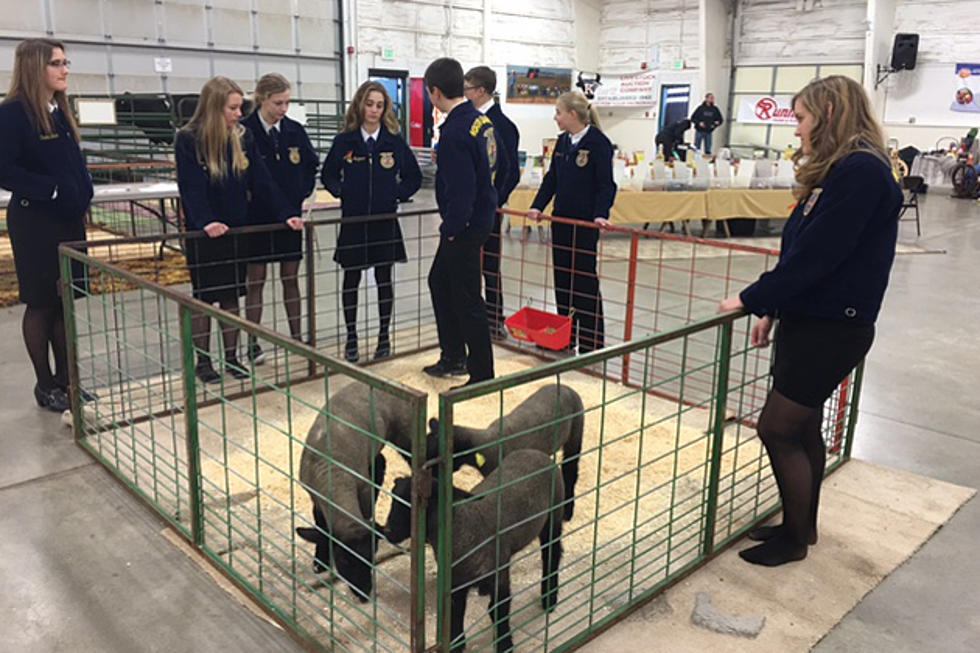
x=388 y=54
x=678 y=64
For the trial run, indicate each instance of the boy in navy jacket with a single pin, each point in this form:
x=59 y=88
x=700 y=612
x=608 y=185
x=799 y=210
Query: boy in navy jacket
x=467 y=203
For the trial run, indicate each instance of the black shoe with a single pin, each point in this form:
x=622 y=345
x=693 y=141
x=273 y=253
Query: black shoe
x=443 y=368
x=384 y=349
x=85 y=395
x=255 y=353
x=235 y=369
x=204 y=371
x=498 y=332
x=54 y=399
x=351 y=354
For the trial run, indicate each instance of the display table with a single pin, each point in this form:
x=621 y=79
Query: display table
x=641 y=207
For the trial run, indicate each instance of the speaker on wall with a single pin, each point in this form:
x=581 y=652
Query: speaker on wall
x=904 y=50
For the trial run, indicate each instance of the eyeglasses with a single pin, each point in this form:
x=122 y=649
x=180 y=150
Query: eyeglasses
x=470 y=88
x=60 y=63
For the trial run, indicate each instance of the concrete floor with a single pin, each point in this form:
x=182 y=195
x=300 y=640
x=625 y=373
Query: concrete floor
x=84 y=566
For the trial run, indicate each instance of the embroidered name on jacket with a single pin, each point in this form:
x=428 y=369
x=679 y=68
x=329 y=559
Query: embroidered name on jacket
x=478 y=125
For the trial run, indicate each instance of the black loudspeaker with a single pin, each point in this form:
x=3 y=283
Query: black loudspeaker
x=904 y=50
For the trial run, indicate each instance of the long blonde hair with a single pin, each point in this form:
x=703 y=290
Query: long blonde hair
x=355 y=112
x=576 y=103
x=211 y=132
x=267 y=86
x=27 y=85
x=843 y=123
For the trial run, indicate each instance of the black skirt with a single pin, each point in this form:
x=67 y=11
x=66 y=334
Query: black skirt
x=811 y=356
x=365 y=242
x=35 y=234
x=217 y=267
x=271 y=246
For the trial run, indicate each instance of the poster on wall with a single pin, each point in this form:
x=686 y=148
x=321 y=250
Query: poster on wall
x=766 y=109
x=628 y=91
x=537 y=85
x=966 y=88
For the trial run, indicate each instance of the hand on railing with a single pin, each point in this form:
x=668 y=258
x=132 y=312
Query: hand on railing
x=533 y=214
x=760 y=332
x=603 y=222
x=730 y=304
x=295 y=223
x=215 y=229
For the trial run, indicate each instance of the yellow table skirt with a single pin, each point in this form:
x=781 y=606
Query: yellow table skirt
x=633 y=207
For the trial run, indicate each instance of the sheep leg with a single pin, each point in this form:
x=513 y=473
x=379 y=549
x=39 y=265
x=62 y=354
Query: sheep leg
x=457 y=641
x=500 y=610
x=321 y=559
x=569 y=474
x=551 y=550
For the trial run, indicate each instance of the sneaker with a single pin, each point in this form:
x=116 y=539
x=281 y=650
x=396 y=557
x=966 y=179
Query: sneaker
x=235 y=369
x=443 y=368
x=54 y=399
x=204 y=371
x=255 y=354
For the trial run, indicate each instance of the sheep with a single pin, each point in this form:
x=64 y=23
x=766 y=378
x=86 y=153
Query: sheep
x=552 y=417
x=489 y=529
x=336 y=468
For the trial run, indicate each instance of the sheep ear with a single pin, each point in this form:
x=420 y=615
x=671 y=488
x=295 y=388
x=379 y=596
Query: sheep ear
x=311 y=535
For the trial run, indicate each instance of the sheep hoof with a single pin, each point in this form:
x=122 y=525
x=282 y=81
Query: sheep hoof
x=549 y=601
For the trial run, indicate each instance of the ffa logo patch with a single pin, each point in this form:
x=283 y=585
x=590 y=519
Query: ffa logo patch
x=811 y=201
x=349 y=157
x=387 y=160
x=582 y=159
x=478 y=125
x=491 y=147
x=294 y=156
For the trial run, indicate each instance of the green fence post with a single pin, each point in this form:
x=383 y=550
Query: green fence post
x=420 y=499
x=852 y=413
x=717 y=436
x=310 y=290
x=444 y=550
x=190 y=425
x=71 y=333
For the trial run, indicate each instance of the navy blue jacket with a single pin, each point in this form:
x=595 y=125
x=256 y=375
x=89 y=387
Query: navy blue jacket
x=835 y=260
x=205 y=201
x=32 y=164
x=293 y=167
x=465 y=166
x=370 y=186
x=508 y=165
x=580 y=178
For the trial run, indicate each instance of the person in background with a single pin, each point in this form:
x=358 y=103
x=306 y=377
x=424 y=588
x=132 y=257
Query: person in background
x=670 y=137
x=287 y=152
x=581 y=181
x=824 y=295
x=467 y=204
x=42 y=165
x=218 y=168
x=478 y=87
x=706 y=118
x=370 y=168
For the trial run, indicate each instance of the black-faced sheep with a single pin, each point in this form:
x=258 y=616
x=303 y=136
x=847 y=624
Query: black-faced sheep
x=552 y=418
x=342 y=467
x=519 y=500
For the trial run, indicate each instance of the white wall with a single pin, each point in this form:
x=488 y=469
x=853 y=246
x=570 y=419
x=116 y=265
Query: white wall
x=777 y=31
x=947 y=35
x=716 y=23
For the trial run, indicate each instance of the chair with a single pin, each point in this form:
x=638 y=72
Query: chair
x=913 y=184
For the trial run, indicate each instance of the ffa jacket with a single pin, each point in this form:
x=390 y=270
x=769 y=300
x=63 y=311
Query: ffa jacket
x=370 y=185
x=293 y=166
x=205 y=200
x=468 y=151
x=33 y=165
x=508 y=166
x=580 y=178
x=837 y=247
x=710 y=115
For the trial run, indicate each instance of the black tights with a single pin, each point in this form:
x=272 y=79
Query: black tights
x=386 y=297
x=288 y=271
x=791 y=433
x=44 y=328
x=201 y=332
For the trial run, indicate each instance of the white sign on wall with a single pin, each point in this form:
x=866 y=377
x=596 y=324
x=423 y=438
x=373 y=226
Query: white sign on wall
x=163 y=65
x=630 y=91
x=766 y=109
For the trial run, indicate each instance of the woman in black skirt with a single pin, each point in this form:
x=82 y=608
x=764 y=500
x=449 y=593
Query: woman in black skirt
x=581 y=181
x=43 y=167
x=837 y=251
x=287 y=152
x=370 y=168
x=218 y=167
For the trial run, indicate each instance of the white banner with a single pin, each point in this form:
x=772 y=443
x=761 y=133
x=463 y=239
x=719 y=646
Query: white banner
x=633 y=91
x=766 y=109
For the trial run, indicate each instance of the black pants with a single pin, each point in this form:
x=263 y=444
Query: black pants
x=491 y=275
x=461 y=317
x=573 y=251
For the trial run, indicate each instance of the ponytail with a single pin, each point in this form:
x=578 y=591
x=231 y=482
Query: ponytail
x=577 y=103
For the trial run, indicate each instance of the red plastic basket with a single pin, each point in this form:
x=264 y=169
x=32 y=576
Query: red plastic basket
x=540 y=327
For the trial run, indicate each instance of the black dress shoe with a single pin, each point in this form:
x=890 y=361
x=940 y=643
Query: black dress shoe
x=384 y=349
x=351 y=355
x=443 y=368
x=86 y=396
x=205 y=372
x=54 y=399
x=234 y=368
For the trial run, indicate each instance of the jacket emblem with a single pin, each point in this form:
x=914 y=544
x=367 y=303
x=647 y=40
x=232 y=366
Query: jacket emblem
x=387 y=160
x=294 y=156
x=582 y=159
x=478 y=125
